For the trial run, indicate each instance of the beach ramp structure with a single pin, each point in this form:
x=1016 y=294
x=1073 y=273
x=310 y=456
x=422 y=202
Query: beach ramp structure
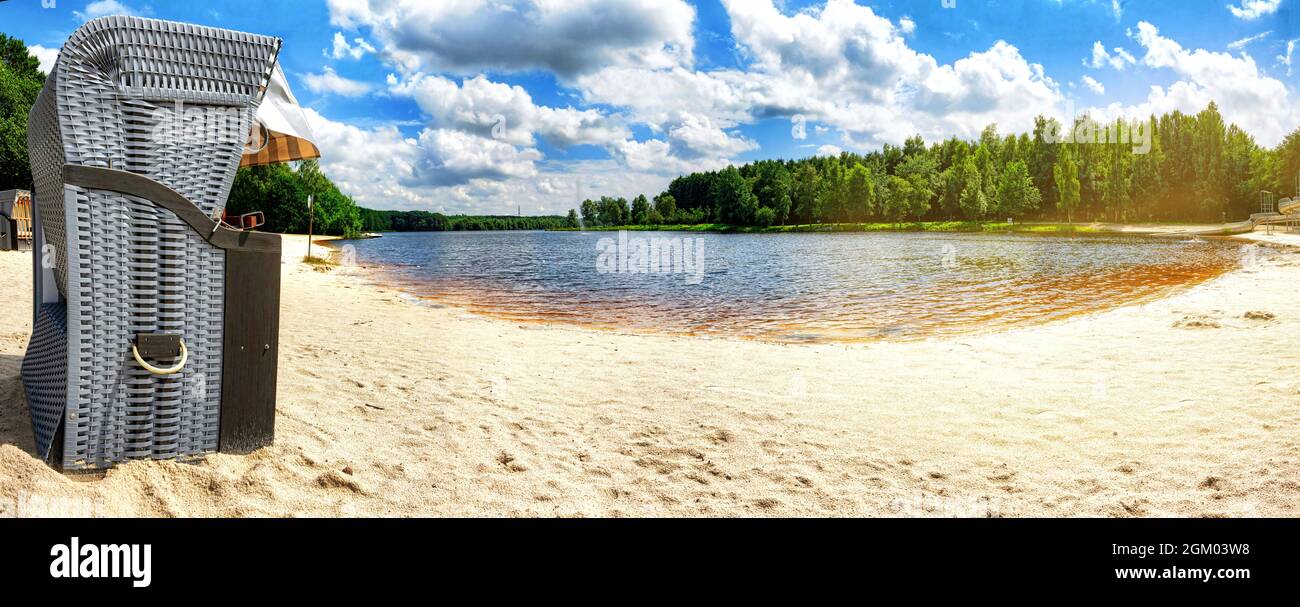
x=15 y=220
x=155 y=333
x=1284 y=212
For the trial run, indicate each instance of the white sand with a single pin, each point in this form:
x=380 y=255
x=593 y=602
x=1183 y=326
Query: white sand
x=389 y=407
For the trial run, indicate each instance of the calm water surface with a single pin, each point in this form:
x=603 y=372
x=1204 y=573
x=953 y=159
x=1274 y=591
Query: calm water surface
x=796 y=287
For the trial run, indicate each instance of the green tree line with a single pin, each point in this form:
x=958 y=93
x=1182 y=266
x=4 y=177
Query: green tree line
x=1175 y=167
x=425 y=221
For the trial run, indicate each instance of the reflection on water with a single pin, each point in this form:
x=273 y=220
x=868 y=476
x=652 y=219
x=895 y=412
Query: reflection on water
x=799 y=287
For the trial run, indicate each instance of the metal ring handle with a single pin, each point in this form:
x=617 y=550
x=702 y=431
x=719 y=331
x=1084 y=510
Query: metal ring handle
x=155 y=370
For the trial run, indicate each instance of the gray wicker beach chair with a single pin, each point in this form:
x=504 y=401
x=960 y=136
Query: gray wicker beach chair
x=156 y=323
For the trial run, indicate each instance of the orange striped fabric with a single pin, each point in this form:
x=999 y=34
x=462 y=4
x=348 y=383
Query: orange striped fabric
x=281 y=148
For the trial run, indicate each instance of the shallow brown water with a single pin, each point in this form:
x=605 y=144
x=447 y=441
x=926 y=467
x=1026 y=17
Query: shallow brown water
x=794 y=287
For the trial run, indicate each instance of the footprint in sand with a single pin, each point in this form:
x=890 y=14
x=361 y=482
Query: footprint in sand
x=1197 y=321
x=1002 y=474
x=508 y=461
x=1214 y=483
x=720 y=436
x=1136 y=508
x=338 y=480
x=766 y=503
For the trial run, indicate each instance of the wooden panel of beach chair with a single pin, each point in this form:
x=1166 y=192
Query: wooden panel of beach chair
x=22 y=216
x=127 y=181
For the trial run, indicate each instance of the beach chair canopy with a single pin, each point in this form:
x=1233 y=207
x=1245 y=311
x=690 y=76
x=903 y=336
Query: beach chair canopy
x=280 y=132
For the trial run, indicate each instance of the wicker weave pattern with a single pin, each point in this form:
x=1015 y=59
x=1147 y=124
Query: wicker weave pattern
x=45 y=148
x=125 y=265
x=45 y=374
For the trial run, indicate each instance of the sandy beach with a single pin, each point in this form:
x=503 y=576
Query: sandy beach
x=1185 y=406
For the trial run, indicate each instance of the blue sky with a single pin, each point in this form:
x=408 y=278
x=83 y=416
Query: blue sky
x=485 y=106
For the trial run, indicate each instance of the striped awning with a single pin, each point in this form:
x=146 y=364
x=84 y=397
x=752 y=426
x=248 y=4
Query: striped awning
x=280 y=131
x=281 y=148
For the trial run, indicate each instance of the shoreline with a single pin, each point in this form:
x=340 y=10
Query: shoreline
x=962 y=227
x=1179 y=406
x=380 y=275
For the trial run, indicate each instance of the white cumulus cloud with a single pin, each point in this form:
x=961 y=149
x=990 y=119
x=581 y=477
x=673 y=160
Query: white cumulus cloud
x=342 y=48
x=382 y=169
x=329 y=82
x=1262 y=105
x=1102 y=58
x=47 y=56
x=103 y=8
x=507 y=113
x=1093 y=85
x=848 y=67
x=1250 y=10
x=565 y=37
x=1286 y=58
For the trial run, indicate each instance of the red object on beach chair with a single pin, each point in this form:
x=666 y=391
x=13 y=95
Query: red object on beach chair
x=247 y=221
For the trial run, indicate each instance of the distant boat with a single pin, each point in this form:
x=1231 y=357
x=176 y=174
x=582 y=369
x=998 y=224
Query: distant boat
x=369 y=235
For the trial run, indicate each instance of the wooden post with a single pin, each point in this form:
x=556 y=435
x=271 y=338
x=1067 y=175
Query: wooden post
x=311 y=219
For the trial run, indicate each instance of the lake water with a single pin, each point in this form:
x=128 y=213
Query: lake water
x=792 y=287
